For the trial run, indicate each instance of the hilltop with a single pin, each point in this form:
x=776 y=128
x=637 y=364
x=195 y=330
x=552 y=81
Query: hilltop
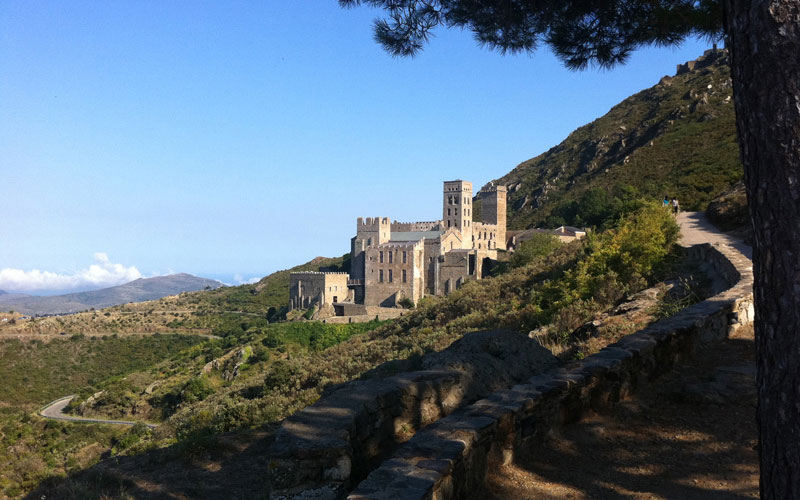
x=677 y=139
x=139 y=290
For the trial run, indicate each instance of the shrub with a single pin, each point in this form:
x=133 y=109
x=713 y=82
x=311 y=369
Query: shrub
x=406 y=303
x=196 y=389
x=538 y=246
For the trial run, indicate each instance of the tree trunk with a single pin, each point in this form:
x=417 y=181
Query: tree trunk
x=764 y=42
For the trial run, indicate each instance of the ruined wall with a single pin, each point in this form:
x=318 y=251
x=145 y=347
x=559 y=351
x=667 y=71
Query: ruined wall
x=454 y=269
x=313 y=288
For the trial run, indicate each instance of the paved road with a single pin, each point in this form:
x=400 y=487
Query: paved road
x=55 y=410
x=695 y=229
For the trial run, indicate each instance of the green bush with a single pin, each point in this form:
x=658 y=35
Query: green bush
x=538 y=246
x=406 y=303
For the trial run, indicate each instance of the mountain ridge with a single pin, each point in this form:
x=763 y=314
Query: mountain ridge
x=138 y=290
x=676 y=139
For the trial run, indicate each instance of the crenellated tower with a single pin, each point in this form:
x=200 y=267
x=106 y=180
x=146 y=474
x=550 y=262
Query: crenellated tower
x=493 y=210
x=370 y=232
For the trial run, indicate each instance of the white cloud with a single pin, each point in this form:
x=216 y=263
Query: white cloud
x=103 y=273
x=240 y=280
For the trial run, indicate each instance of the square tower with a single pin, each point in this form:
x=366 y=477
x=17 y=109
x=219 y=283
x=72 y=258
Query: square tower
x=370 y=232
x=493 y=210
x=457 y=209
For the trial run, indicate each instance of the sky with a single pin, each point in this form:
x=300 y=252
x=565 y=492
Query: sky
x=233 y=139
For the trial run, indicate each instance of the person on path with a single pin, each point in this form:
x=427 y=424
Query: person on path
x=666 y=201
x=675 y=206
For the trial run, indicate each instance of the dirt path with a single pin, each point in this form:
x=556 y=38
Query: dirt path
x=55 y=411
x=695 y=229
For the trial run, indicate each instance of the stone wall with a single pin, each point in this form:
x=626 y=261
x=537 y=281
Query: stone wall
x=394 y=271
x=312 y=288
x=449 y=458
x=323 y=450
x=401 y=227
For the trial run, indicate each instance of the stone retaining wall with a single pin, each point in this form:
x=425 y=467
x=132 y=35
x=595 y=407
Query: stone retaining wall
x=322 y=451
x=449 y=458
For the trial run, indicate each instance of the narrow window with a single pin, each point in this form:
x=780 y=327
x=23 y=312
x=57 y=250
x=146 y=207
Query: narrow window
x=404 y=257
x=404 y=276
x=380 y=276
x=448 y=211
x=448 y=223
x=390 y=275
x=381 y=257
x=391 y=259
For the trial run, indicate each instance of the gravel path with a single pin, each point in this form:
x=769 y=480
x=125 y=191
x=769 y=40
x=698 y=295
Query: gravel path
x=695 y=229
x=55 y=410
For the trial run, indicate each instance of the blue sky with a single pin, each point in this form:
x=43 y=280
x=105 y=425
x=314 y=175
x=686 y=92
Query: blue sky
x=239 y=138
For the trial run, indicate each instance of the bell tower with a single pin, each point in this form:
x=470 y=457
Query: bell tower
x=457 y=209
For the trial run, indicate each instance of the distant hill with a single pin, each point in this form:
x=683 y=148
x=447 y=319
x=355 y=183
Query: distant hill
x=677 y=139
x=138 y=290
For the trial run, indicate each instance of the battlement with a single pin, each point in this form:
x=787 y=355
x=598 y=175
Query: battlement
x=707 y=59
x=457 y=185
x=372 y=223
x=315 y=273
x=491 y=188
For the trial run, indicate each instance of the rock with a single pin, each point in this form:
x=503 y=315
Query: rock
x=493 y=360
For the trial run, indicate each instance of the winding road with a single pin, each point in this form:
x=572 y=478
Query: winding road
x=55 y=411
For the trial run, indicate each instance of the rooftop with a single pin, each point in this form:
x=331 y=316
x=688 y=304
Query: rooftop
x=414 y=235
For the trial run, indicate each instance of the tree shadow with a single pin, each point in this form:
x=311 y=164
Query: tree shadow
x=231 y=466
x=690 y=434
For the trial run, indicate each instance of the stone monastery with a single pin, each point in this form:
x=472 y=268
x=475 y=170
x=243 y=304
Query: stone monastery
x=395 y=262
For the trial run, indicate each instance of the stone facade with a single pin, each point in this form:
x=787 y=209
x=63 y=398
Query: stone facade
x=394 y=271
x=392 y=260
x=307 y=289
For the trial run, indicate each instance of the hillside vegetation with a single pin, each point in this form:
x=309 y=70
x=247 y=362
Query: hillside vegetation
x=34 y=373
x=263 y=373
x=676 y=139
x=216 y=312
